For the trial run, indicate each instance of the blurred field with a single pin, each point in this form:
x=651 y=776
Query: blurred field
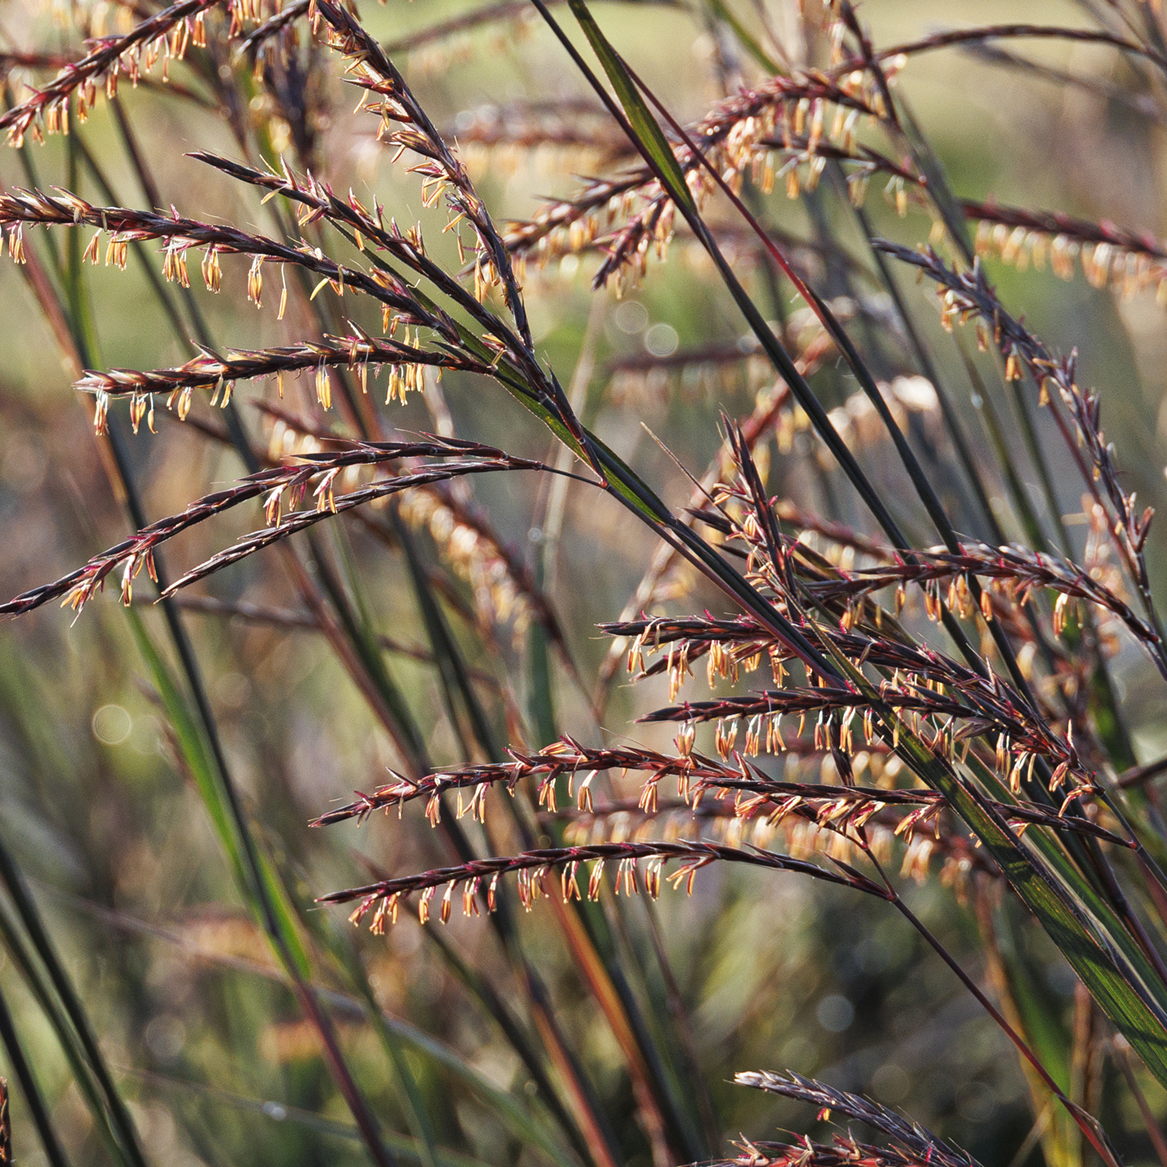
x=99 y=809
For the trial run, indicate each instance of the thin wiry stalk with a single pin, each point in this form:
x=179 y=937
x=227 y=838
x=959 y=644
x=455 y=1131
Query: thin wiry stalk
x=15 y=59
x=568 y=124
x=265 y=614
x=273 y=27
x=1085 y=1121
x=1143 y=105
x=990 y=32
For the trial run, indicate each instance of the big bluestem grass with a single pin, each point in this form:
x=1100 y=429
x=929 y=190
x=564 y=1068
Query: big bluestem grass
x=930 y=690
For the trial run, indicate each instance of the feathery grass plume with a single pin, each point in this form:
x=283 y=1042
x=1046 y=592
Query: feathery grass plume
x=318 y=471
x=384 y=897
x=763 y=1153
x=911 y=1137
x=210 y=371
x=166 y=34
x=969 y=294
x=733 y=135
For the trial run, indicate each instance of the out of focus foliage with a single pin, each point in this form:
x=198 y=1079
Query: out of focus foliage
x=460 y=619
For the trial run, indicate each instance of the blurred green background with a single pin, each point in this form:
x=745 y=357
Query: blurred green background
x=196 y=1020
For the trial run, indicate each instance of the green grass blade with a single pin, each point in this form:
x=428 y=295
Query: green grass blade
x=455 y=682
x=362 y=636
x=722 y=12
x=540 y=678
x=937 y=185
x=635 y=107
x=504 y=1104
x=66 y=1013
x=188 y=739
x=500 y=1013
x=67 y=1038
x=339 y=946
x=32 y=1093
x=1111 y=966
x=619 y=969
x=1038 y=1018
x=203 y=770
x=407 y=1149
